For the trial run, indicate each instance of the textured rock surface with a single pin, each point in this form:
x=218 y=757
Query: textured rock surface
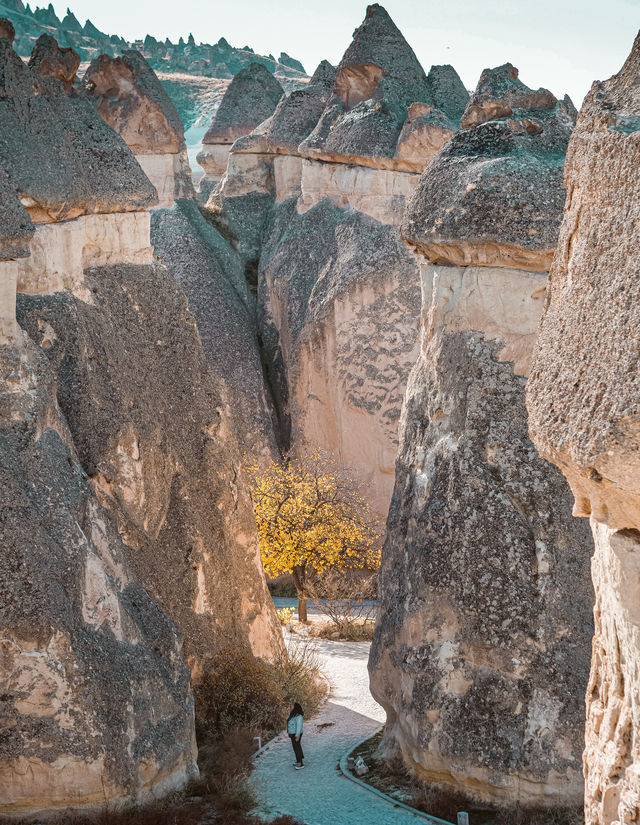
x=377 y=80
x=584 y=415
x=481 y=653
x=294 y=117
x=339 y=301
x=96 y=701
x=499 y=92
x=49 y=60
x=49 y=143
x=493 y=195
x=212 y=277
x=149 y=421
x=251 y=97
x=131 y=99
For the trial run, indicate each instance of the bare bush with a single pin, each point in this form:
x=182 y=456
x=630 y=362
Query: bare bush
x=347 y=599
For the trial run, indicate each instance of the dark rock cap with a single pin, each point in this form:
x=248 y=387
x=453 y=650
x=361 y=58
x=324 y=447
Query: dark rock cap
x=133 y=101
x=493 y=195
x=499 y=92
x=49 y=60
x=59 y=155
x=294 y=118
x=377 y=81
x=252 y=97
x=7 y=31
x=16 y=228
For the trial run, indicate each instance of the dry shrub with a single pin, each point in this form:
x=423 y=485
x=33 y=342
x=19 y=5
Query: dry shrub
x=298 y=676
x=346 y=597
x=238 y=691
x=355 y=632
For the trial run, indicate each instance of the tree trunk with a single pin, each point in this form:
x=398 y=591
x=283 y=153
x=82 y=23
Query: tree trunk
x=298 y=573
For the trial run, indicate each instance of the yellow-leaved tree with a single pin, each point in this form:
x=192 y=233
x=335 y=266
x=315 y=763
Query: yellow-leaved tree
x=312 y=515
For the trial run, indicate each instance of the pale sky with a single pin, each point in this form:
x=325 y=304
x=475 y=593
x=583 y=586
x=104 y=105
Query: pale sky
x=562 y=45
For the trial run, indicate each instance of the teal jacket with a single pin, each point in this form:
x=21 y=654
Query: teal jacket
x=294 y=725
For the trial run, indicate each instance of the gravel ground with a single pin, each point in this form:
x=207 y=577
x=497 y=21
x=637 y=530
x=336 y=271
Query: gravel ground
x=320 y=794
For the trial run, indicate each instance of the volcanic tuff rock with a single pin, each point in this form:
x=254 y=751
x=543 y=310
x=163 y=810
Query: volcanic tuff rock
x=142 y=475
x=499 y=92
x=584 y=415
x=212 y=276
x=131 y=99
x=337 y=293
x=338 y=296
x=377 y=80
x=480 y=653
x=494 y=193
x=49 y=60
x=96 y=698
x=252 y=96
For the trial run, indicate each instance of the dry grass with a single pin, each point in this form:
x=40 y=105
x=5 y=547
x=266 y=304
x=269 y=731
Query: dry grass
x=357 y=631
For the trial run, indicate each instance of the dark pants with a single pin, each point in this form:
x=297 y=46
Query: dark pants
x=297 y=747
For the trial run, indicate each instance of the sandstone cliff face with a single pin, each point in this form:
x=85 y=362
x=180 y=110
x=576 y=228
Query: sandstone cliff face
x=583 y=416
x=480 y=654
x=337 y=293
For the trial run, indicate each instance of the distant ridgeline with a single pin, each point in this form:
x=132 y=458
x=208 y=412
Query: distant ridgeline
x=216 y=61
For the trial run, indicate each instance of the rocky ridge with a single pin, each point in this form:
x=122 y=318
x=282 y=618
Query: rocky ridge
x=480 y=655
x=583 y=416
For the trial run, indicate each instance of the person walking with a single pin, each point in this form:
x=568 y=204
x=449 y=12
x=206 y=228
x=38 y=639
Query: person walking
x=294 y=729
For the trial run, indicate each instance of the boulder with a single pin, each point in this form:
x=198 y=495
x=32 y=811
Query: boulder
x=493 y=195
x=480 y=656
x=499 y=92
x=584 y=415
x=49 y=143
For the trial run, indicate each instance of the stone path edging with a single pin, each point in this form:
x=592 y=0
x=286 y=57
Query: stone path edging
x=395 y=802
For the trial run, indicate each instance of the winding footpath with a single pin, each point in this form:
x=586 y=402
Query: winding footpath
x=320 y=794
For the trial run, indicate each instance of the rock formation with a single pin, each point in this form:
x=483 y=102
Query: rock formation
x=317 y=218
x=132 y=101
x=583 y=416
x=84 y=648
x=121 y=478
x=252 y=96
x=209 y=272
x=480 y=654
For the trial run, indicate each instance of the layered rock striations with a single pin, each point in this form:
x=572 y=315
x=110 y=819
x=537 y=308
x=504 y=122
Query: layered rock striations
x=123 y=497
x=131 y=100
x=317 y=217
x=583 y=416
x=480 y=653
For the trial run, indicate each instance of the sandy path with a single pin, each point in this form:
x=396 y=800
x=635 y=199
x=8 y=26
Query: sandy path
x=320 y=794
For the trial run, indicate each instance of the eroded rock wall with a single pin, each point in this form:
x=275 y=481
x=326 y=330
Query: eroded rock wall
x=583 y=416
x=315 y=195
x=480 y=656
x=96 y=697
